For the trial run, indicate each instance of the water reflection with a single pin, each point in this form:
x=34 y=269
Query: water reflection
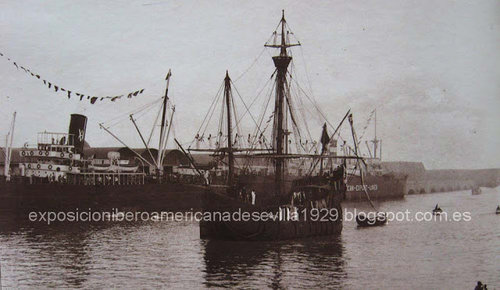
x=60 y=254
x=170 y=254
x=281 y=264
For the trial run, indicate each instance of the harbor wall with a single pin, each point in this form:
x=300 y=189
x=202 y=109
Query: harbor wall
x=421 y=180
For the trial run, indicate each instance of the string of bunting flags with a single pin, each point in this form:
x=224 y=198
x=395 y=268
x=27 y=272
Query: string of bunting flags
x=372 y=113
x=69 y=93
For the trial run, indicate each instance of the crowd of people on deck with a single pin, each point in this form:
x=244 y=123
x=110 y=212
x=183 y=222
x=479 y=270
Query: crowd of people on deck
x=51 y=178
x=247 y=197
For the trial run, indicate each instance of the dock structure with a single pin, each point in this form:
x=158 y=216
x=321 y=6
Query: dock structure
x=422 y=180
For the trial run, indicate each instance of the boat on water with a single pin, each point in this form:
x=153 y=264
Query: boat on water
x=287 y=194
x=437 y=210
x=62 y=173
x=498 y=210
x=364 y=220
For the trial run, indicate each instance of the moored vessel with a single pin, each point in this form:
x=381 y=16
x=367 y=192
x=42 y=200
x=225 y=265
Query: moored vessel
x=61 y=172
x=380 y=183
x=284 y=193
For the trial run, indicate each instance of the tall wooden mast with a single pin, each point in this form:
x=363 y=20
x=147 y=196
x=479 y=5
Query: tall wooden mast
x=227 y=98
x=281 y=63
x=163 y=124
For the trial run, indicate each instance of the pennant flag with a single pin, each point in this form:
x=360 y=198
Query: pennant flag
x=92 y=99
x=325 y=138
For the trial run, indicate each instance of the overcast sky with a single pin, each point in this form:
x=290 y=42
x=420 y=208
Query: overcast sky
x=431 y=68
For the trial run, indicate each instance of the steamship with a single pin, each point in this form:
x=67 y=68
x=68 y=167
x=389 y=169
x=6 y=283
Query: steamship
x=381 y=184
x=58 y=175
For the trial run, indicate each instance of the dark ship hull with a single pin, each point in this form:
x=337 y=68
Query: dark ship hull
x=319 y=215
x=378 y=187
x=24 y=197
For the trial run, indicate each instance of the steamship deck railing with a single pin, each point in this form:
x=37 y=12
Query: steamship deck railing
x=119 y=178
x=54 y=138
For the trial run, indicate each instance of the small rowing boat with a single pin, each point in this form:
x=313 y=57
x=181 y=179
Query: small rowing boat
x=364 y=220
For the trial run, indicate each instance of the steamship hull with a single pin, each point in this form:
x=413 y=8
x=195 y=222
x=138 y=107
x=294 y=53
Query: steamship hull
x=384 y=187
x=56 y=176
x=24 y=197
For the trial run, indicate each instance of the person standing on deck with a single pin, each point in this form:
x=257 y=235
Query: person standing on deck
x=207 y=177
x=245 y=194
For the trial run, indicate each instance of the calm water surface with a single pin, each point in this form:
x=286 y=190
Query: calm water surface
x=407 y=254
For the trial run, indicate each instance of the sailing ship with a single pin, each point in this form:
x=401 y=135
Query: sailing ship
x=62 y=173
x=298 y=203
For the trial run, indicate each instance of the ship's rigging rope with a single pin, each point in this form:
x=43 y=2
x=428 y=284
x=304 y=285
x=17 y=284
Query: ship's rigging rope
x=313 y=102
x=118 y=119
x=366 y=126
x=358 y=163
x=247 y=111
x=251 y=65
x=260 y=138
x=208 y=115
x=155 y=122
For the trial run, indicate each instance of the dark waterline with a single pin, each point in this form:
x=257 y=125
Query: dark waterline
x=452 y=255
